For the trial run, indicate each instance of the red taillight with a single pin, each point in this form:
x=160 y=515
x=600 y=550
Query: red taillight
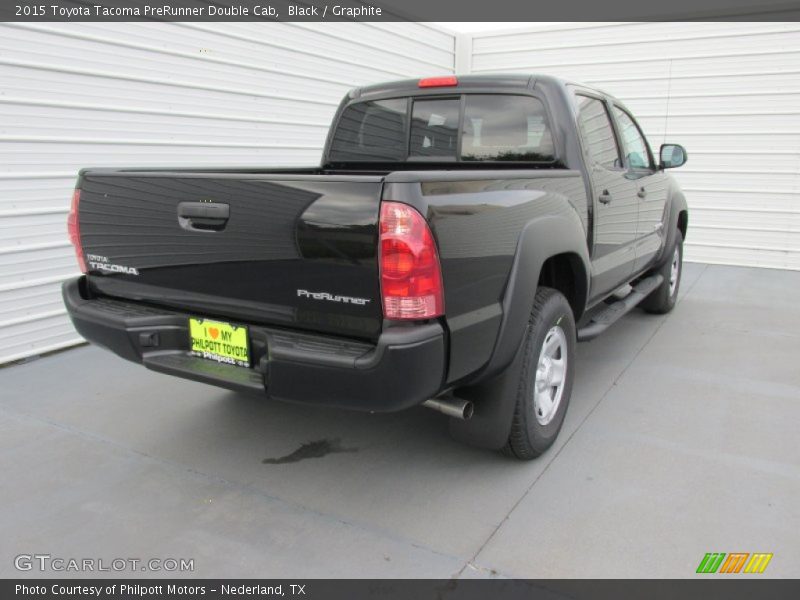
x=450 y=81
x=411 y=278
x=74 y=230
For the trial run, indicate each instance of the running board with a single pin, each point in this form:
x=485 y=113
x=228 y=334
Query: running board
x=611 y=313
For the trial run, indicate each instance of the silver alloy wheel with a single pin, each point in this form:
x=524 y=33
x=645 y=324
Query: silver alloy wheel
x=674 y=271
x=551 y=373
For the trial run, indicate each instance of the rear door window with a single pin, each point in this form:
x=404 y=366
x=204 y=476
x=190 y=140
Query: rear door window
x=506 y=128
x=434 y=129
x=597 y=133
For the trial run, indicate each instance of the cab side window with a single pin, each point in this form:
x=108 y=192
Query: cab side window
x=596 y=131
x=636 y=149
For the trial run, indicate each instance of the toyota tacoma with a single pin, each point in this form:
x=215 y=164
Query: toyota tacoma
x=459 y=237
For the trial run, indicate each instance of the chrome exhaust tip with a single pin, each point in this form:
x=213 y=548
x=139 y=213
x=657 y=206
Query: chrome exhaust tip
x=452 y=407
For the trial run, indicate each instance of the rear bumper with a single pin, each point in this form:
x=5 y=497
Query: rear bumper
x=405 y=367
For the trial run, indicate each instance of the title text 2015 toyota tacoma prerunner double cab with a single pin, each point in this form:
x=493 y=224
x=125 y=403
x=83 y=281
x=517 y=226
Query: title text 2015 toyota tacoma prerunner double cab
x=458 y=239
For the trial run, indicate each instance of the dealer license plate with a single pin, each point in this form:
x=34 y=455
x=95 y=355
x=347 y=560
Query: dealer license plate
x=219 y=341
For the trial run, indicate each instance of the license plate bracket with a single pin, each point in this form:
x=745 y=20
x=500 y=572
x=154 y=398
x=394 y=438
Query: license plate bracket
x=220 y=341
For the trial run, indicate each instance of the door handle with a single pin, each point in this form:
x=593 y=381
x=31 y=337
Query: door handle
x=203 y=216
x=605 y=197
x=642 y=193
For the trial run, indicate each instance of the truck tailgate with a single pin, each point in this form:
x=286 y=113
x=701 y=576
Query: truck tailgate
x=290 y=250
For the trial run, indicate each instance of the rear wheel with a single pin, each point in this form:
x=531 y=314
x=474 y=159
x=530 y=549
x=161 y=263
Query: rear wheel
x=545 y=382
x=662 y=299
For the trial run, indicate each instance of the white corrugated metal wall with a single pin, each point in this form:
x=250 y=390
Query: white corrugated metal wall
x=99 y=94
x=730 y=92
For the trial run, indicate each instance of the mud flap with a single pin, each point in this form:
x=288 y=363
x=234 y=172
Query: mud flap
x=494 y=402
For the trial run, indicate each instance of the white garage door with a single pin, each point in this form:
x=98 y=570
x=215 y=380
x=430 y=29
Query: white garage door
x=730 y=92
x=91 y=94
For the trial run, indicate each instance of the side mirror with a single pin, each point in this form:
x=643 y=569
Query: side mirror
x=672 y=155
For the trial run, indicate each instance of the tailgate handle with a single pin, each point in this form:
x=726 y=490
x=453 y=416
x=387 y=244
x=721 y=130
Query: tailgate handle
x=203 y=216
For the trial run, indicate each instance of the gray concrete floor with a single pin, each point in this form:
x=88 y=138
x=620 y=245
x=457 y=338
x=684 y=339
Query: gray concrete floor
x=681 y=439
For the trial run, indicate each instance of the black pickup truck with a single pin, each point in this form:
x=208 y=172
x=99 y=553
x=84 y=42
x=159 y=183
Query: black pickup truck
x=459 y=237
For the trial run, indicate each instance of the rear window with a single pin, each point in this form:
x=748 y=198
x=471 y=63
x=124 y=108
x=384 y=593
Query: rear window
x=489 y=127
x=512 y=128
x=371 y=131
x=434 y=129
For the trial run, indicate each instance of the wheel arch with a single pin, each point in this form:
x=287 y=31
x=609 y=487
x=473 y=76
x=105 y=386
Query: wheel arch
x=561 y=240
x=566 y=272
x=683 y=221
x=677 y=219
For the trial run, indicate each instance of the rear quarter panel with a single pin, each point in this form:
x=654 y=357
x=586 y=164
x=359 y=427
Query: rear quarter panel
x=478 y=220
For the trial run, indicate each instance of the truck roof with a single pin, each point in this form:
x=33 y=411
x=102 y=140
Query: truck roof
x=488 y=81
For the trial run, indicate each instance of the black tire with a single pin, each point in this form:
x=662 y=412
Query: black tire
x=529 y=436
x=662 y=299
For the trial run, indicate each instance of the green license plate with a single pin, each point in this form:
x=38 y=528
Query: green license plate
x=219 y=341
